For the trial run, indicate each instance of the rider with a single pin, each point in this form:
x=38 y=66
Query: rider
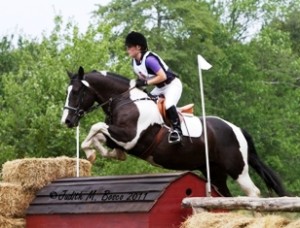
x=152 y=70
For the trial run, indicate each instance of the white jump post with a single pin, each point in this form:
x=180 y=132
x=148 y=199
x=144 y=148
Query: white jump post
x=77 y=150
x=204 y=65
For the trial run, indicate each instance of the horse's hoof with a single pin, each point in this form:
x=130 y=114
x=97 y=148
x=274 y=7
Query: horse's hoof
x=92 y=158
x=121 y=157
x=120 y=154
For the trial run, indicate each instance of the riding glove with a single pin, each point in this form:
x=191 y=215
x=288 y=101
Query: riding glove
x=140 y=83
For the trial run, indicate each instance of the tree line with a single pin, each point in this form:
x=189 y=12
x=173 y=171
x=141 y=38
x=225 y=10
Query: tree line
x=253 y=46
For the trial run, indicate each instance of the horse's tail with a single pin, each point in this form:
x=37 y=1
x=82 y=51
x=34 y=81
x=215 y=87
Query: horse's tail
x=270 y=178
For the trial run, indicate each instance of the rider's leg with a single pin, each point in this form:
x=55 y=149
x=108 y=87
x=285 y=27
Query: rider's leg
x=176 y=133
x=172 y=94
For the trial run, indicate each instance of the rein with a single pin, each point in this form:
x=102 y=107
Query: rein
x=80 y=112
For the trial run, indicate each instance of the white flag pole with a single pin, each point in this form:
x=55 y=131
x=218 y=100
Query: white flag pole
x=77 y=150
x=202 y=64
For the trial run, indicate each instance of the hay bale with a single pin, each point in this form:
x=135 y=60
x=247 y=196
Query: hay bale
x=269 y=221
x=35 y=173
x=14 y=200
x=70 y=166
x=235 y=220
x=216 y=220
x=12 y=222
x=294 y=224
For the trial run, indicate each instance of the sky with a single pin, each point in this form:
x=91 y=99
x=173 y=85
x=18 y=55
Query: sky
x=33 y=17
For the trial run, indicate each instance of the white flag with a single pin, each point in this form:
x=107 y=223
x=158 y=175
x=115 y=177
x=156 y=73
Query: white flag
x=203 y=64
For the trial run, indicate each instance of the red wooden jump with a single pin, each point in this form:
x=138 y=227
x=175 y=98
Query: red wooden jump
x=115 y=201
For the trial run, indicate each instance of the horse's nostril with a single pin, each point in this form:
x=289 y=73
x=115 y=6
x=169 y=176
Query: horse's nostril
x=68 y=123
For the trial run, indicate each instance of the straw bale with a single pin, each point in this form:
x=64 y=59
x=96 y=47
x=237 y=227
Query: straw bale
x=70 y=166
x=6 y=222
x=294 y=224
x=14 y=200
x=35 y=173
x=216 y=220
x=235 y=220
x=269 y=221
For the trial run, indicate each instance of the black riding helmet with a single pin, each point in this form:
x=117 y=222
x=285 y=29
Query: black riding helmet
x=136 y=38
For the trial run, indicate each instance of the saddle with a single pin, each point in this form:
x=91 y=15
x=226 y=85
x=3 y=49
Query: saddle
x=187 y=109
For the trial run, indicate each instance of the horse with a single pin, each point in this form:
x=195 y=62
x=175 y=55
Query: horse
x=134 y=126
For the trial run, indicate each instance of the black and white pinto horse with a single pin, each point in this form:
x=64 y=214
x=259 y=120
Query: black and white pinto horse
x=135 y=126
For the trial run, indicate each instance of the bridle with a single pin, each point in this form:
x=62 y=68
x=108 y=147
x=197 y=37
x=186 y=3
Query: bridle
x=79 y=112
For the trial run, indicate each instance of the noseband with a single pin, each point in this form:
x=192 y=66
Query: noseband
x=79 y=112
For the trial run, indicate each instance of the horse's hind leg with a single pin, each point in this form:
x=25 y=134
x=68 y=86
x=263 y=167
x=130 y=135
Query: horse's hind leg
x=218 y=179
x=247 y=184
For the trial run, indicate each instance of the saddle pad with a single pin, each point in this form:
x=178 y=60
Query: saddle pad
x=191 y=126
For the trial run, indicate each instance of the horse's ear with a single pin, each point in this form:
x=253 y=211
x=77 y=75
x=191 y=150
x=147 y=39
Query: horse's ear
x=80 y=72
x=70 y=74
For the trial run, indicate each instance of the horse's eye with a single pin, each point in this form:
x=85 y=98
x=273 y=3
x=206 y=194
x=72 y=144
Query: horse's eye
x=75 y=91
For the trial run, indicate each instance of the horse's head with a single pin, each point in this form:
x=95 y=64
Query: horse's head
x=79 y=99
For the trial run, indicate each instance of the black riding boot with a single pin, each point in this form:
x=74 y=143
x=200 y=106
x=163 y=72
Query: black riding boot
x=176 y=133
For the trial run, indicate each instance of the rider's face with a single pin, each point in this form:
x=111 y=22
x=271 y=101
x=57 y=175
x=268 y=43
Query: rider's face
x=134 y=51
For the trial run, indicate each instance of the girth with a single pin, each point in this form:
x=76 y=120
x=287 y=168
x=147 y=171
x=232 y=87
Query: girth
x=158 y=137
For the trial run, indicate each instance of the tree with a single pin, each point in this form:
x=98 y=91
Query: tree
x=291 y=25
x=253 y=83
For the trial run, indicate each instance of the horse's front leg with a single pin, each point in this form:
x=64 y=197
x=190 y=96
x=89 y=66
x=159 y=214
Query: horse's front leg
x=88 y=148
x=95 y=140
x=117 y=153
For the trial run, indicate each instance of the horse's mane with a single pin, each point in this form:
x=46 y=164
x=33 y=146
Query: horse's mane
x=118 y=77
x=115 y=76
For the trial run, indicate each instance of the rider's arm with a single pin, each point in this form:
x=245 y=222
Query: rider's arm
x=153 y=64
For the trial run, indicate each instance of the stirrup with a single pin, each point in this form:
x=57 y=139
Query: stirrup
x=176 y=134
